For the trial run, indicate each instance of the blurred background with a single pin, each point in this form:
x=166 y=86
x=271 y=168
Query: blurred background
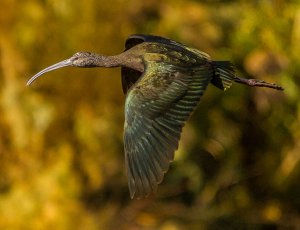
x=61 y=147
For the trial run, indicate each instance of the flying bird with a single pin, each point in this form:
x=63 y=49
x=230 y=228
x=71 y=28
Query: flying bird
x=163 y=81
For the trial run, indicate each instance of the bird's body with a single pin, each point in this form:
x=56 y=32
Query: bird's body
x=163 y=81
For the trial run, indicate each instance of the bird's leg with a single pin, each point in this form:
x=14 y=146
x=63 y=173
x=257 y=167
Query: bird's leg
x=257 y=83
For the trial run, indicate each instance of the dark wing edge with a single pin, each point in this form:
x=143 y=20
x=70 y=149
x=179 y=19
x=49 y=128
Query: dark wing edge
x=135 y=39
x=130 y=76
x=153 y=127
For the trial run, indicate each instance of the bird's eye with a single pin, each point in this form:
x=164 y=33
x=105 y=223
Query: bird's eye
x=74 y=58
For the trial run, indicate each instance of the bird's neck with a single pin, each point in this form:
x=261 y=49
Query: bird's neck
x=125 y=59
x=107 y=61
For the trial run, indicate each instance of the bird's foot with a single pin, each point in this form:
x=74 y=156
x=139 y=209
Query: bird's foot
x=257 y=83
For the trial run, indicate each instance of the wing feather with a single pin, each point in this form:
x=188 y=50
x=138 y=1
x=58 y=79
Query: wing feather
x=130 y=76
x=155 y=114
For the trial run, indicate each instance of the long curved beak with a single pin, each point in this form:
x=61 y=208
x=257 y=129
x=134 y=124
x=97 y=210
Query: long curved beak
x=58 y=65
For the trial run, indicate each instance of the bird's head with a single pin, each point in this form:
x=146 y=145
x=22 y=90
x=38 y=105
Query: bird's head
x=80 y=59
x=84 y=59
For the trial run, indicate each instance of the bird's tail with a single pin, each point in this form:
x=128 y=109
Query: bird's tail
x=224 y=74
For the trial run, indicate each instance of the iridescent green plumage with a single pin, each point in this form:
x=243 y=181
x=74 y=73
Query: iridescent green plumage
x=157 y=106
x=163 y=81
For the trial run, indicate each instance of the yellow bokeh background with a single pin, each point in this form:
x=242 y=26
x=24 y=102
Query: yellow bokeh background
x=61 y=140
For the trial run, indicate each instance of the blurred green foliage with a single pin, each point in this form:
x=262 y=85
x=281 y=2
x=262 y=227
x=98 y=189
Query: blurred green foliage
x=61 y=147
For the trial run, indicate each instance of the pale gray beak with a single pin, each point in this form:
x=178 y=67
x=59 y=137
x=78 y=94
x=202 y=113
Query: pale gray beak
x=58 y=65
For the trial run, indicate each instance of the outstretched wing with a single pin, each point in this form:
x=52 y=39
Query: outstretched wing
x=155 y=112
x=130 y=76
